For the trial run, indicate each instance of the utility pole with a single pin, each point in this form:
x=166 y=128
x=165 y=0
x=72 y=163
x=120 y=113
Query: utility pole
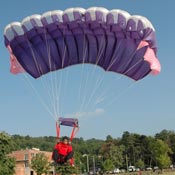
x=94 y=164
x=126 y=163
x=87 y=161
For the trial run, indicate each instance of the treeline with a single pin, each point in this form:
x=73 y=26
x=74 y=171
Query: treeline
x=131 y=149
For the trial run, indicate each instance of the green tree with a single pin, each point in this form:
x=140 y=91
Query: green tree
x=108 y=148
x=116 y=155
x=130 y=149
x=160 y=152
x=7 y=164
x=108 y=165
x=169 y=138
x=66 y=169
x=140 y=164
x=40 y=163
x=145 y=152
x=132 y=146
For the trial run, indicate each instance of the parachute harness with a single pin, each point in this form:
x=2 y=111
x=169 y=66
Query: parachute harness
x=72 y=122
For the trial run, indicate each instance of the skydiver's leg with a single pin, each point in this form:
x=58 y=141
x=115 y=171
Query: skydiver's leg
x=69 y=156
x=56 y=156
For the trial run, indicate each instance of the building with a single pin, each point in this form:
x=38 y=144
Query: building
x=23 y=160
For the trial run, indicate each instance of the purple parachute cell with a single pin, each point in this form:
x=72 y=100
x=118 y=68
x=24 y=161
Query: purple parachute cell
x=112 y=40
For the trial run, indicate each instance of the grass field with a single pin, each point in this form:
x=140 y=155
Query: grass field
x=151 y=173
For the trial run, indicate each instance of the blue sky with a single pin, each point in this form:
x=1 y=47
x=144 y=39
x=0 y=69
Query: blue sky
x=144 y=107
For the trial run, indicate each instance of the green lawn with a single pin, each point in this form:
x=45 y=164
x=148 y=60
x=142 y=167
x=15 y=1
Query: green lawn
x=150 y=173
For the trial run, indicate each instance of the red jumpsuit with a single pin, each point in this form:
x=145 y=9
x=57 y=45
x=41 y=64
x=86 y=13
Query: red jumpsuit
x=63 y=153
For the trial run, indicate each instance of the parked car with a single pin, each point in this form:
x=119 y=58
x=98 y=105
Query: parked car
x=122 y=170
x=137 y=169
x=91 y=172
x=116 y=170
x=172 y=166
x=131 y=168
x=149 y=169
x=156 y=168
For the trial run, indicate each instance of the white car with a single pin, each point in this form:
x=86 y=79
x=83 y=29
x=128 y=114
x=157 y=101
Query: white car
x=122 y=170
x=116 y=170
x=131 y=168
x=149 y=169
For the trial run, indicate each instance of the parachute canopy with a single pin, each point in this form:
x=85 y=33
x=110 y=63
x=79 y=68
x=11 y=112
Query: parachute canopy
x=113 y=40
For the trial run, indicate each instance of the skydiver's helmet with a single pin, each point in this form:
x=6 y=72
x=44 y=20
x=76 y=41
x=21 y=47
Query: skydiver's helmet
x=65 y=140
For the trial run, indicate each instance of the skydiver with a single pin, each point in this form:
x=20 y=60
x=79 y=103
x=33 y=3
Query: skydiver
x=63 y=152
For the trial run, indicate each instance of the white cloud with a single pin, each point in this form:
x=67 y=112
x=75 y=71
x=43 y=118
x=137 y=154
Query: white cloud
x=99 y=100
x=95 y=113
